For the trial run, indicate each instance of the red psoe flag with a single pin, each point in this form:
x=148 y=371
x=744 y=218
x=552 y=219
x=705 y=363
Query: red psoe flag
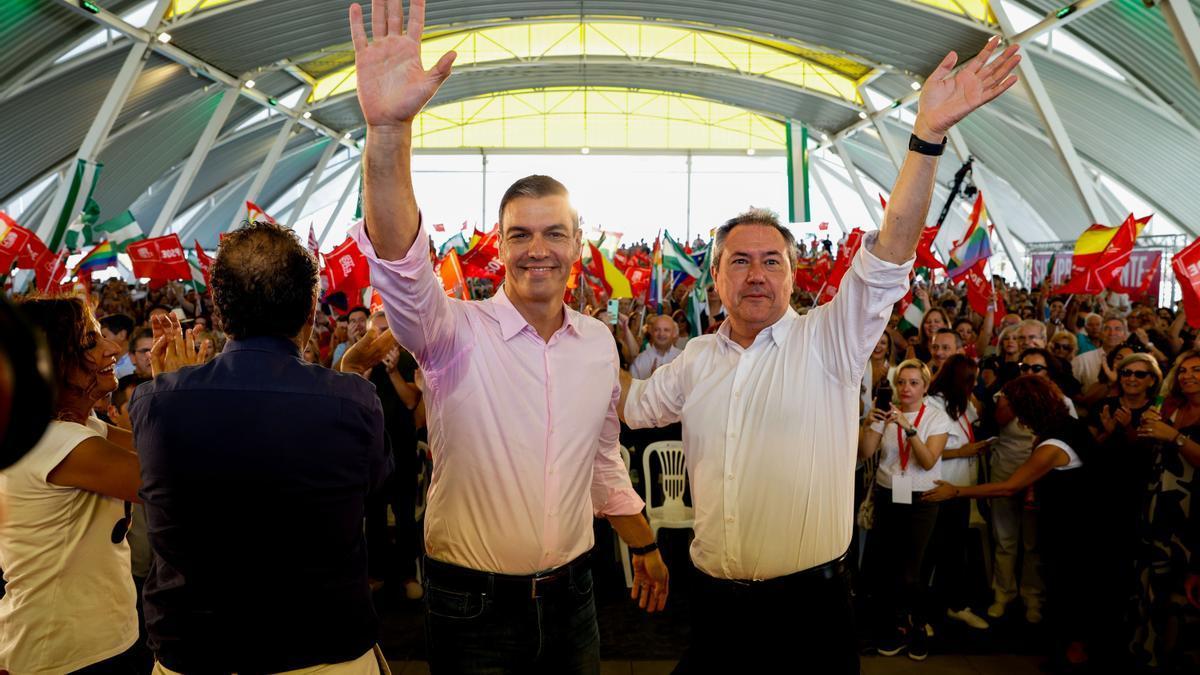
x=1186 y=264
x=50 y=270
x=841 y=265
x=205 y=263
x=159 y=259
x=346 y=268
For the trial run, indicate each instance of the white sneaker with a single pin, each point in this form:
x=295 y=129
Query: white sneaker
x=968 y=617
x=1033 y=615
x=996 y=610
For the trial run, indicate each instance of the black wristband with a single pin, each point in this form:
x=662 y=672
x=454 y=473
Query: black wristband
x=932 y=149
x=643 y=550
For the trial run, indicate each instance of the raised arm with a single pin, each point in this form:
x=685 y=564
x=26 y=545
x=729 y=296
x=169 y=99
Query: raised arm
x=393 y=87
x=947 y=98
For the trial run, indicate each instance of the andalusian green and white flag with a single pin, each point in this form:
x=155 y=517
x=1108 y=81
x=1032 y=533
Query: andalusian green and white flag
x=913 y=311
x=80 y=193
x=120 y=231
x=698 y=298
x=675 y=258
x=197 y=276
x=80 y=232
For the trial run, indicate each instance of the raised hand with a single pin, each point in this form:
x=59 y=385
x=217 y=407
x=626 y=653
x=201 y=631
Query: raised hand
x=948 y=97
x=393 y=86
x=173 y=348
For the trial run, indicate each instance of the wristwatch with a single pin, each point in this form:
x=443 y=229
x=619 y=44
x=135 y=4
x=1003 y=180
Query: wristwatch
x=909 y=433
x=643 y=550
x=916 y=144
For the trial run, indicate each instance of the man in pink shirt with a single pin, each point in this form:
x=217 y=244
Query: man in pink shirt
x=521 y=396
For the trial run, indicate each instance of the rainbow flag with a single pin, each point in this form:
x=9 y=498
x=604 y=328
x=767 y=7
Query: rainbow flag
x=975 y=245
x=100 y=257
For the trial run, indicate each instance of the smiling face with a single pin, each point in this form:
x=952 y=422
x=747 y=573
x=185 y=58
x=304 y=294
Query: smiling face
x=96 y=374
x=663 y=332
x=944 y=346
x=754 y=277
x=538 y=245
x=933 y=322
x=1035 y=364
x=1113 y=333
x=1188 y=376
x=1135 y=379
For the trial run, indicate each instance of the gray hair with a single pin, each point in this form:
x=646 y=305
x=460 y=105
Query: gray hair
x=765 y=217
x=1034 y=323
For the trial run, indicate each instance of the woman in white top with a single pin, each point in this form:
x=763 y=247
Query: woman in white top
x=1068 y=533
x=951 y=392
x=912 y=435
x=69 y=602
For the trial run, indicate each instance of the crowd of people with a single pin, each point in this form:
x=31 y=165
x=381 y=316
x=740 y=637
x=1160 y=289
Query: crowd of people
x=216 y=491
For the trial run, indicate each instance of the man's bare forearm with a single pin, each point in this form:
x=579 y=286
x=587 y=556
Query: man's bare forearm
x=909 y=205
x=389 y=205
x=633 y=530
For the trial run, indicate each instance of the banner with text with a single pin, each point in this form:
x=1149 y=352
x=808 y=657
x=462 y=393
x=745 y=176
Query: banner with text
x=1144 y=266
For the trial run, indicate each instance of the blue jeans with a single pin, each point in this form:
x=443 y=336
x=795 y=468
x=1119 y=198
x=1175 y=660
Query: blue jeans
x=476 y=626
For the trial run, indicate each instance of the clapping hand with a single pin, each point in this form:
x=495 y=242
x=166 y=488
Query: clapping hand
x=370 y=350
x=173 y=347
x=1154 y=427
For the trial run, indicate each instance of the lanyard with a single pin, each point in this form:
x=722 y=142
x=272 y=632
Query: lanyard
x=902 y=442
x=967 y=428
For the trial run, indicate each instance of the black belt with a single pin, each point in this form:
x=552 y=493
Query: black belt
x=530 y=586
x=834 y=569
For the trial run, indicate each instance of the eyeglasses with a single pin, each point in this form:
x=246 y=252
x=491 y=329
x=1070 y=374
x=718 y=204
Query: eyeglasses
x=1034 y=368
x=1060 y=347
x=1139 y=374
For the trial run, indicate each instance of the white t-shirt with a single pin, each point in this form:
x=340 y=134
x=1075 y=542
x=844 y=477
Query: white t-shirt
x=933 y=422
x=1073 y=457
x=959 y=470
x=650 y=360
x=70 y=600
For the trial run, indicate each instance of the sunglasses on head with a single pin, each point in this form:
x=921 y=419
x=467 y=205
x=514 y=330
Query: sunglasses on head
x=1034 y=368
x=1139 y=374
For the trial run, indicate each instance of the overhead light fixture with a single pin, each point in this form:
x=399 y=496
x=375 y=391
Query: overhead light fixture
x=862 y=115
x=90 y=6
x=585 y=150
x=164 y=38
x=916 y=86
x=1065 y=11
x=307 y=115
x=272 y=100
x=750 y=151
x=249 y=84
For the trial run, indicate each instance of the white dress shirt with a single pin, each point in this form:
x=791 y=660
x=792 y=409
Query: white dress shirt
x=771 y=431
x=650 y=360
x=1086 y=367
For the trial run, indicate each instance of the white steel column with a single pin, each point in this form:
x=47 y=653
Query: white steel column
x=313 y=181
x=872 y=205
x=1059 y=139
x=192 y=167
x=837 y=215
x=350 y=185
x=264 y=171
x=1182 y=20
x=890 y=144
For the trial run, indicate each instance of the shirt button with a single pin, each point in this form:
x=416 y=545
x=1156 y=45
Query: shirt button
x=729 y=519
x=730 y=476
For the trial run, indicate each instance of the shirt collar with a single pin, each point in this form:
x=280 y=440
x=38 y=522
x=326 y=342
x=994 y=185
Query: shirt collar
x=778 y=331
x=262 y=343
x=511 y=321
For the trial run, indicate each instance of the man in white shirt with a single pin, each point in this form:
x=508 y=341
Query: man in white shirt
x=946 y=343
x=769 y=406
x=1087 y=367
x=662 y=349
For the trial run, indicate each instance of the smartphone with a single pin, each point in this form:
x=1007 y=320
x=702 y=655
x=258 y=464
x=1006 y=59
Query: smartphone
x=883 y=397
x=614 y=308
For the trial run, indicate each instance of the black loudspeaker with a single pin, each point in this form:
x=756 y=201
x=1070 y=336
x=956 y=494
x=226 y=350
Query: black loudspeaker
x=26 y=385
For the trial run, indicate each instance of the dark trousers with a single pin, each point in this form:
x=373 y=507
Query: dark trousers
x=388 y=559
x=486 y=624
x=947 y=559
x=896 y=551
x=801 y=623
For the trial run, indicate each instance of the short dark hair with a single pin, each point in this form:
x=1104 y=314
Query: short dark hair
x=125 y=387
x=961 y=320
x=535 y=187
x=117 y=323
x=358 y=308
x=65 y=324
x=263 y=282
x=159 y=306
x=753 y=217
x=946 y=331
x=140 y=334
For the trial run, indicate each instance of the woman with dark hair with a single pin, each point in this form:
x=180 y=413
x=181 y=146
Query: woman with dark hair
x=878 y=371
x=1065 y=519
x=70 y=601
x=1058 y=370
x=951 y=392
x=1162 y=573
x=935 y=319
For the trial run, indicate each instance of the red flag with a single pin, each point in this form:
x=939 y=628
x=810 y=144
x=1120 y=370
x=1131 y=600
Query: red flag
x=439 y=227
x=159 y=259
x=376 y=303
x=925 y=256
x=451 y=273
x=314 y=246
x=979 y=288
x=1101 y=253
x=15 y=245
x=346 y=268
x=256 y=215
x=823 y=226
x=883 y=201
x=50 y=270
x=639 y=278
x=205 y=263
x=483 y=260
x=1186 y=264
x=841 y=265
x=1145 y=283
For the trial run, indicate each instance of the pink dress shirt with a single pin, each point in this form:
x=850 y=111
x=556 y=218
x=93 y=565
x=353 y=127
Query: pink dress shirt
x=523 y=431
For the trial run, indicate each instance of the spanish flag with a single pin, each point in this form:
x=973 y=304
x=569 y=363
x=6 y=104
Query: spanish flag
x=1100 y=255
x=603 y=269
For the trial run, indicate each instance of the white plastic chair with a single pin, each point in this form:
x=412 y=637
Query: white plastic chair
x=622 y=547
x=672 y=513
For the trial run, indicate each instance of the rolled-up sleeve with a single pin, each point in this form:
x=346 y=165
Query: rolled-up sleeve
x=658 y=401
x=422 y=318
x=847 y=328
x=612 y=491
